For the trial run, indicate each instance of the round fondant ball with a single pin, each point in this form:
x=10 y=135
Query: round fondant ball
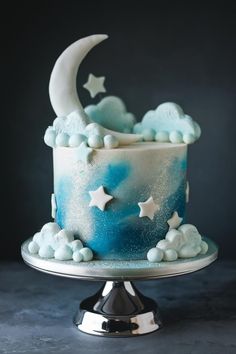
x=155 y=255
x=76 y=139
x=204 y=247
x=63 y=253
x=93 y=128
x=163 y=244
x=170 y=255
x=162 y=136
x=76 y=245
x=188 y=251
x=62 y=139
x=58 y=123
x=50 y=137
x=38 y=238
x=148 y=134
x=176 y=137
x=110 y=142
x=95 y=141
x=46 y=251
x=188 y=138
x=137 y=129
x=77 y=256
x=87 y=254
x=51 y=227
x=33 y=247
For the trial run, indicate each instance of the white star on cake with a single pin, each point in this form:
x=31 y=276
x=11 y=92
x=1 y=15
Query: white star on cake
x=99 y=198
x=148 y=208
x=174 y=221
x=95 y=85
x=83 y=153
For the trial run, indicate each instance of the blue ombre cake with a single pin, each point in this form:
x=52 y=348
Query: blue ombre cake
x=120 y=186
x=130 y=174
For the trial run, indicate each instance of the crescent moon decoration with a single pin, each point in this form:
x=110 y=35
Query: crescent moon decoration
x=62 y=86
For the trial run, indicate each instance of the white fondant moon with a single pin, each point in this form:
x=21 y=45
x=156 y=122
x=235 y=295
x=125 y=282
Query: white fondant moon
x=62 y=86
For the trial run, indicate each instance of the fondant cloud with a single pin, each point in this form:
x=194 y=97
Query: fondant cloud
x=111 y=113
x=185 y=242
x=54 y=242
x=170 y=118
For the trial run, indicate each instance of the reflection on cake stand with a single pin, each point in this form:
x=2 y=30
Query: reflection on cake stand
x=118 y=309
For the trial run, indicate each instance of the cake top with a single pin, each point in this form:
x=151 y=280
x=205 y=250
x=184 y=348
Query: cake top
x=107 y=124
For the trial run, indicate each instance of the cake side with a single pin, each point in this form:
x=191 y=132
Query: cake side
x=130 y=175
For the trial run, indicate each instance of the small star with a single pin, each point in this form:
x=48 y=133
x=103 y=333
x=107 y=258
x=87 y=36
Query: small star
x=148 y=208
x=95 y=85
x=53 y=206
x=174 y=221
x=99 y=198
x=187 y=192
x=83 y=152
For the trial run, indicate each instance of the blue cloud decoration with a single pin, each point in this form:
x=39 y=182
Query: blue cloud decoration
x=168 y=123
x=111 y=113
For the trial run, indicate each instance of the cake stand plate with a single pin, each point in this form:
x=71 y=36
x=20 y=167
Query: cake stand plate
x=118 y=309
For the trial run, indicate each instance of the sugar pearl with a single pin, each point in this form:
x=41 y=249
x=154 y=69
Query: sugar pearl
x=95 y=141
x=162 y=136
x=110 y=142
x=155 y=255
x=62 y=139
x=86 y=253
x=170 y=255
x=176 y=137
x=148 y=134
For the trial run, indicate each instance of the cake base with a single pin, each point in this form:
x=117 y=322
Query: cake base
x=118 y=309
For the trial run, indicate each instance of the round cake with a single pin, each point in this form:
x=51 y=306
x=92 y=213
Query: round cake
x=130 y=175
x=120 y=185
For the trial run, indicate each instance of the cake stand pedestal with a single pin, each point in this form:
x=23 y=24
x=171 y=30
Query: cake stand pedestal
x=118 y=309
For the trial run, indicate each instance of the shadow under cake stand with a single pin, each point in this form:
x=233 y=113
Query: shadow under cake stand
x=118 y=309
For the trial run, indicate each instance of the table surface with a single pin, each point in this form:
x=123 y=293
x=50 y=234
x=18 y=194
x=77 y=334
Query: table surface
x=198 y=310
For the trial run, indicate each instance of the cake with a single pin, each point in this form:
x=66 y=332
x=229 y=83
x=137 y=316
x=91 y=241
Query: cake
x=120 y=187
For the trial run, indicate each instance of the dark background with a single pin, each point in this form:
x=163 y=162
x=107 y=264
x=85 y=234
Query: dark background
x=184 y=53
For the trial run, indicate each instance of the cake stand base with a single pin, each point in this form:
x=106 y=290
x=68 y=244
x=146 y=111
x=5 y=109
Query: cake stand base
x=118 y=309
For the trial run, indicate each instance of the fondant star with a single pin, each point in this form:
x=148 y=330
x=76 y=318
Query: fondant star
x=174 y=221
x=148 y=208
x=83 y=152
x=95 y=85
x=187 y=192
x=53 y=206
x=99 y=198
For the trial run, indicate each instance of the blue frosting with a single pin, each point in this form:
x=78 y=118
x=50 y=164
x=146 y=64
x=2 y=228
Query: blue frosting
x=111 y=113
x=118 y=231
x=63 y=189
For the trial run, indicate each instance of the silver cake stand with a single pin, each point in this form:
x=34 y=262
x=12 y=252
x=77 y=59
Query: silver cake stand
x=118 y=309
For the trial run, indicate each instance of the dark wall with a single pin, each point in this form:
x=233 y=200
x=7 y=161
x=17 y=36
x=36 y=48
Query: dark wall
x=185 y=54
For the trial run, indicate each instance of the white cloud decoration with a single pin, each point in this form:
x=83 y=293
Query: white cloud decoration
x=168 y=122
x=111 y=113
x=185 y=242
x=54 y=242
